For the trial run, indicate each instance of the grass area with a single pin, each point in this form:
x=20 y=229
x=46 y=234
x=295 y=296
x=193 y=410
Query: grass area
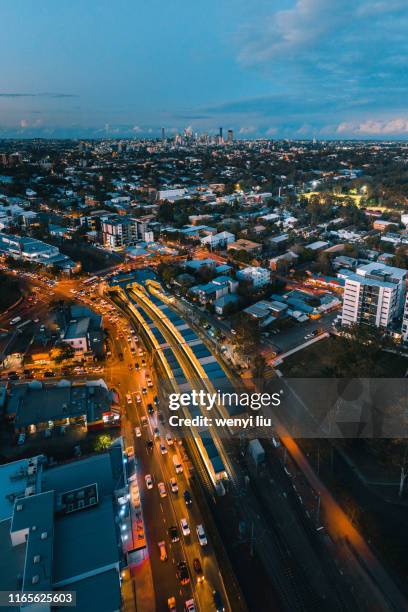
x=91 y=259
x=10 y=291
x=316 y=361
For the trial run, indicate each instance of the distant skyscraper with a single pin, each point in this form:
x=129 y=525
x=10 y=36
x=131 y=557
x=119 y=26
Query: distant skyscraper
x=230 y=136
x=163 y=134
x=220 y=137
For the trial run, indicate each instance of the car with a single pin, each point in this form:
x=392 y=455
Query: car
x=144 y=421
x=149 y=481
x=144 y=390
x=163 y=551
x=173 y=485
x=149 y=444
x=150 y=408
x=185 y=527
x=138 y=398
x=156 y=432
x=189 y=606
x=156 y=400
x=138 y=432
x=163 y=448
x=182 y=572
x=21 y=439
x=174 y=534
x=198 y=569
x=137 y=366
x=202 y=538
x=128 y=398
x=218 y=603
x=149 y=382
x=187 y=498
x=162 y=489
x=276 y=442
x=169 y=439
x=49 y=374
x=171 y=604
x=143 y=363
x=130 y=366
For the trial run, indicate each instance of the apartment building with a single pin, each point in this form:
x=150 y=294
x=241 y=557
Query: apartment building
x=373 y=295
x=258 y=277
x=119 y=232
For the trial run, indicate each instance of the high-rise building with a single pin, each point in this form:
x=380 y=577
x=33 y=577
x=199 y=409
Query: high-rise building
x=373 y=295
x=220 y=137
x=230 y=136
x=405 y=321
x=163 y=134
x=119 y=232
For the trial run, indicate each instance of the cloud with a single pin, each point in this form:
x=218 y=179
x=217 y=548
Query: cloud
x=247 y=129
x=375 y=127
x=38 y=95
x=24 y=123
x=137 y=129
x=335 y=48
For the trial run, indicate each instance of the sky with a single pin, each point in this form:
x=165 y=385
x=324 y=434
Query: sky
x=278 y=68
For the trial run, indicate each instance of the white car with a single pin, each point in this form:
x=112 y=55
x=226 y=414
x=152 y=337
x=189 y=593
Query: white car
x=162 y=489
x=169 y=439
x=138 y=398
x=163 y=448
x=202 y=538
x=21 y=439
x=138 y=432
x=189 y=606
x=173 y=485
x=128 y=398
x=184 y=527
x=163 y=551
x=149 y=481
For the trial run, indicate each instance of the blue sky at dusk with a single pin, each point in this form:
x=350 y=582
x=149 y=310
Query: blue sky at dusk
x=283 y=68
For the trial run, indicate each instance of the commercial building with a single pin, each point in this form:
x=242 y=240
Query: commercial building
x=28 y=249
x=373 y=295
x=35 y=406
x=245 y=245
x=60 y=528
x=83 y=331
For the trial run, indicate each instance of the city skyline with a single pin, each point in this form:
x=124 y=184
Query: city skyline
x=302 y=69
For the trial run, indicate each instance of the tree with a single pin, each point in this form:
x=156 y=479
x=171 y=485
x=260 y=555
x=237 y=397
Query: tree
x=258 y=370
x=66 y=351
x=400 y=259
x=248 y=335
x=357 y=351
x=102 y=443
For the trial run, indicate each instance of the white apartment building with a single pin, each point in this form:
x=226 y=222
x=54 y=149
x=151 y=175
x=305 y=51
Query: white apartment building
x=373 y=295
x=219 y=240
x=257 y=276
x=119 y=232
x=404 y=329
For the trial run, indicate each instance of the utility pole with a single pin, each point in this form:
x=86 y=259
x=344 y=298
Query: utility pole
x=318 y=511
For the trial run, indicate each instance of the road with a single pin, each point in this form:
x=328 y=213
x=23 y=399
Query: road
x=162 y=513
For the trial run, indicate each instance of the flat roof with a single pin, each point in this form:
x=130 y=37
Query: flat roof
x=84 y=541
x=100 y=592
